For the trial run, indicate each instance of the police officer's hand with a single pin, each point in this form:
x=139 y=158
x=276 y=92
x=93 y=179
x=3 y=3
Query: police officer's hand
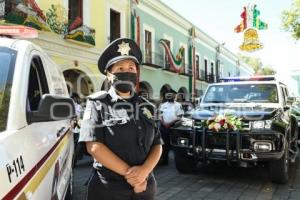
x=166 y=125
x=141 y=187
x=136 y=175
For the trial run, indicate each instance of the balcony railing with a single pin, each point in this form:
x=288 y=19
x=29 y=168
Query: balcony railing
x=202 y=76
x=154 y=59
x=157 y=60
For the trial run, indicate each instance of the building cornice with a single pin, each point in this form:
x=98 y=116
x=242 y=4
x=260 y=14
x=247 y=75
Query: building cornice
x=55 y=45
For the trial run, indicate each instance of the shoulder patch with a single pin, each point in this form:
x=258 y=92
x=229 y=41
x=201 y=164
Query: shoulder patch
x=98 y=95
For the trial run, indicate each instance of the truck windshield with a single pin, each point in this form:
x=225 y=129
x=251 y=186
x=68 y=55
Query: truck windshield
x=244 y=93
x=7 y=66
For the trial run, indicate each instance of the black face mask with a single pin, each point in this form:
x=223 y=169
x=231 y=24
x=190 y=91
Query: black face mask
x=124 y=81
x=170 y=97
x=170 y=100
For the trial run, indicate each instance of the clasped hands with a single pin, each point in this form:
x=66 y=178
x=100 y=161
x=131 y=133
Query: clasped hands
x=136 y=176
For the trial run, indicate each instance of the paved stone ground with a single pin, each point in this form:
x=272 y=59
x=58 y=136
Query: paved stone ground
x=212 y=182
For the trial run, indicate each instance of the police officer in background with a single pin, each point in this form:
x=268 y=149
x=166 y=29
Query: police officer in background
x=170 y=112
x=119 y=130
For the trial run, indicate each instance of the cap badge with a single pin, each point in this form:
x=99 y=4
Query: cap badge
x=124 y=48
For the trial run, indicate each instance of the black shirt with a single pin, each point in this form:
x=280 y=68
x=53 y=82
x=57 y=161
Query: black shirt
x=125 y=126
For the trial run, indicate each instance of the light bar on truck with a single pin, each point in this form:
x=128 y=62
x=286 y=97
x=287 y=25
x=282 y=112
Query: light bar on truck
x=18 y=31
x=247 y=78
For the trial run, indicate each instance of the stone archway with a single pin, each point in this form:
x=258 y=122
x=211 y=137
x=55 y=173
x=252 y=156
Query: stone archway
x=163 y=90
x=146 y=90
x=182 y=95
x=78 y=82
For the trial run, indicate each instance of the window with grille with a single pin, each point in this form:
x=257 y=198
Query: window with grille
x=148 y=46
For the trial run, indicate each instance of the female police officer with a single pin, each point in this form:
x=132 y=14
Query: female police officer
x=119 y=130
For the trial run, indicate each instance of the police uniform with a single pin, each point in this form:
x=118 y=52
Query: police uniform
x=169 y=112
x=125 y=126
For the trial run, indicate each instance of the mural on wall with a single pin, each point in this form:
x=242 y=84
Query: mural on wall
x=79 y=32
x=175 y=62
x=250 y=25
x=28 y=13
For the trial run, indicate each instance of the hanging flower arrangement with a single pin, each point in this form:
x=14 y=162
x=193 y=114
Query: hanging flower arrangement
x=223 y=122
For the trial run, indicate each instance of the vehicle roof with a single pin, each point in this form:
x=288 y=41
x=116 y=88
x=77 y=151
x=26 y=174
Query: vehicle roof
x=12 y=43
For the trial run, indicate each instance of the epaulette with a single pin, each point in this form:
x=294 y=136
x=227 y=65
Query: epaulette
x=98 y=95
x=147 y=101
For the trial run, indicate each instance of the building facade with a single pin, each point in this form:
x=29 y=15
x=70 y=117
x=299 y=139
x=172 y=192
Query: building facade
x=73 y=33
x=177 y=54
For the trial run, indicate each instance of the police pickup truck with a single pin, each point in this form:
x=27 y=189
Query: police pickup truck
x=268 y=131
x=36 y=144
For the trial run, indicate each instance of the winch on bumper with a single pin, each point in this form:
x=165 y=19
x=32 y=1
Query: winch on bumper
x=230 y=146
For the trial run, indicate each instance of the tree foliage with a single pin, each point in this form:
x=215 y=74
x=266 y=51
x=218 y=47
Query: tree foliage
x=291 y=19
x=257 y=65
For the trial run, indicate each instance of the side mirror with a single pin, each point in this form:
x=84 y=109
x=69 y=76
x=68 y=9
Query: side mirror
x=287 y=107
x=52 y=108
x=291 y=100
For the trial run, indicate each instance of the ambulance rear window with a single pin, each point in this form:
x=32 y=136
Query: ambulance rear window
x=7 y=66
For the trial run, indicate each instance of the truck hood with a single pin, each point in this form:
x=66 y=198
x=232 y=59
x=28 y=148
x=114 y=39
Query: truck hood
x=245 y=113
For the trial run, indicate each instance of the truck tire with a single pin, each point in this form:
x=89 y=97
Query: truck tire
x=279 y=169
x=183 y=163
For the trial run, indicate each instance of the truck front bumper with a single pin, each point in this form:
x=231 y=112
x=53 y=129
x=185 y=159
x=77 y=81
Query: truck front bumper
x=230 y=146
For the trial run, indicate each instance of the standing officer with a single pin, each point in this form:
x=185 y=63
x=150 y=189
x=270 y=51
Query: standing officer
x=119 y=130
x=170 y=112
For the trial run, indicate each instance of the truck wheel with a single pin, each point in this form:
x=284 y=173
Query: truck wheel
x=279 y=169
x=184 y=163
x=69 y=192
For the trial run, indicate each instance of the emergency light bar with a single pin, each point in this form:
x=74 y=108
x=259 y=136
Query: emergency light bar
x=18 y=31
x=248 y=78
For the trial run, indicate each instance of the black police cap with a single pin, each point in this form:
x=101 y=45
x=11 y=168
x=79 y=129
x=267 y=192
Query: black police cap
x=119 y=49
x=171 y=91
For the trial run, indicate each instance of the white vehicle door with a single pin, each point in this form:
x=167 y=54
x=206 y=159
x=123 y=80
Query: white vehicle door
x=37 y=156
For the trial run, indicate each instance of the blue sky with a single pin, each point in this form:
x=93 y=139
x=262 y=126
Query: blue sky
x=219 y=17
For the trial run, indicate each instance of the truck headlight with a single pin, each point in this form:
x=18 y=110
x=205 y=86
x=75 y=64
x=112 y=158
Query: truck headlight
x=262 y=124
x=258 y=125
x=187 y=122
x=268 y=124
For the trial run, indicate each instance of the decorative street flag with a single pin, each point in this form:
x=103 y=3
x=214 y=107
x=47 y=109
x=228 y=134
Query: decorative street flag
x=257 y=23
x=135 y=22
x=250 y=24
x=243 y=25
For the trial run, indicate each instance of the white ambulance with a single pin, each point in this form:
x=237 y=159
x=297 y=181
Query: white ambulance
x=36 y=144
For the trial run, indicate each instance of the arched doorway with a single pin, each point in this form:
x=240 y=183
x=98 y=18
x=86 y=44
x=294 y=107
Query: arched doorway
x=182 y=95
x=146 y=90
x=78 y=82
x=163 y=90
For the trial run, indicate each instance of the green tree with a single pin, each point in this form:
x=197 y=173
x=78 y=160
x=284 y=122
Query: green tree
x=257 y=65
x=291 y=19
